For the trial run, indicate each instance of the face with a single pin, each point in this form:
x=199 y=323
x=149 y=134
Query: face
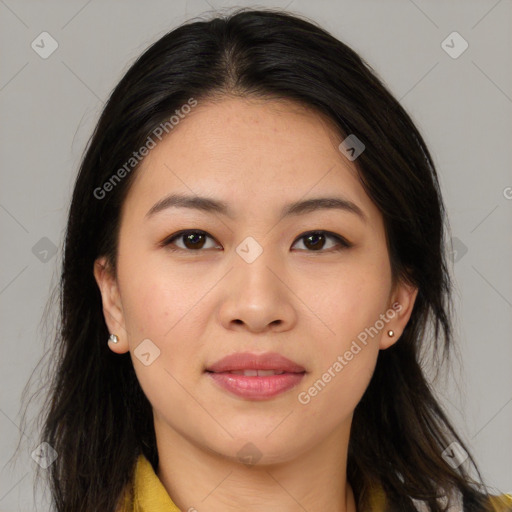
x=251 y=280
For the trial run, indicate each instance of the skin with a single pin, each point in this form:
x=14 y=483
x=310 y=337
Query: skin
x=201 y=305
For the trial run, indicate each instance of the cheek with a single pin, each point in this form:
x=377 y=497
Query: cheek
x=345 y=360
x=335 y=392
x=159 y=306
x=148 y=307
x=352 y=302
x=350 y=310
x=157 y=298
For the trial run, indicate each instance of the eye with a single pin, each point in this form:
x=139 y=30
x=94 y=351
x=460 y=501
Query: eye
x=316 y=240
x=194 y=240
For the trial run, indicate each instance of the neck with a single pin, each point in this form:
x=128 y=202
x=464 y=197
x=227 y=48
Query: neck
x=198 y=479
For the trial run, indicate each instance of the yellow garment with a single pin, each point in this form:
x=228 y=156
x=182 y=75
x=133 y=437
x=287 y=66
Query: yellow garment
x=151 y=496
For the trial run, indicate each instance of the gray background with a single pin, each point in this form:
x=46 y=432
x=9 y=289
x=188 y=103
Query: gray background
x=461 y=105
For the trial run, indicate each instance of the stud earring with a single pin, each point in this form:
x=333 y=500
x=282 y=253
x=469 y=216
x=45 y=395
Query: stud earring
x=391 y=334
x=113 y=338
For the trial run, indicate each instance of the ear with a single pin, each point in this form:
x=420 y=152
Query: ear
x=402 y=302
x=112 y=306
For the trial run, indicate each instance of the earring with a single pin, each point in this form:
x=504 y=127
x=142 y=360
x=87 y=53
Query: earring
x=113 y=338
x=391 y=334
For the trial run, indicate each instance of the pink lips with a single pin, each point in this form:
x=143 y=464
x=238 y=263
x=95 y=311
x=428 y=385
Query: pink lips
x=256 y=376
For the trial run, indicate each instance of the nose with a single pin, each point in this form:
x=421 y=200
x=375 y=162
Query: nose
x=258 y=297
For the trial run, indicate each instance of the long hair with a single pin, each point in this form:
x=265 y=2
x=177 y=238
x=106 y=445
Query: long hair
x=97 y=417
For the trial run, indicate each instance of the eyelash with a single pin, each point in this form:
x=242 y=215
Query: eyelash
x=342 y=242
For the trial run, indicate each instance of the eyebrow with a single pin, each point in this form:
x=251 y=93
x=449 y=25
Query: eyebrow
x=210 y=205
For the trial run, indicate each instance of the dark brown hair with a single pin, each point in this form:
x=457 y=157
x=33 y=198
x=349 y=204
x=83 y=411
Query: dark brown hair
x=98 y=419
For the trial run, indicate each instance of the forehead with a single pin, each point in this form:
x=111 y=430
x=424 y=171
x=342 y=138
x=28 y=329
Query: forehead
x=254 y=154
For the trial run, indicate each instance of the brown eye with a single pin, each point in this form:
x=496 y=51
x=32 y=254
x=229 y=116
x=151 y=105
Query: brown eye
x=193 y=240
x=314 y=241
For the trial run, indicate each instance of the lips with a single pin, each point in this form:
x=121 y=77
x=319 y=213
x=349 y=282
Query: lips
x=261 y=362
x=257 y=373
x=256 y=376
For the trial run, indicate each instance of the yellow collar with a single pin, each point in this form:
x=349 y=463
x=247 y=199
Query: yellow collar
x=149 y=494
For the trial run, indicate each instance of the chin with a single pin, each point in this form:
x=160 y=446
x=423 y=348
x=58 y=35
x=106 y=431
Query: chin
x=256 y=448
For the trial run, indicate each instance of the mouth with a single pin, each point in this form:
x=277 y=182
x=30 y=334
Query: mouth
x=247 y=361
x=255 y=373
x=256 y=376
x=256 y=384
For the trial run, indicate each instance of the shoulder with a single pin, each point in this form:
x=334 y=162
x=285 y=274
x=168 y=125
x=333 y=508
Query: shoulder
x=501 y=503
x=125 y=503
x=496 y=503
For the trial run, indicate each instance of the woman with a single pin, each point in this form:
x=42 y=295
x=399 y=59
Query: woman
x=253 y=260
